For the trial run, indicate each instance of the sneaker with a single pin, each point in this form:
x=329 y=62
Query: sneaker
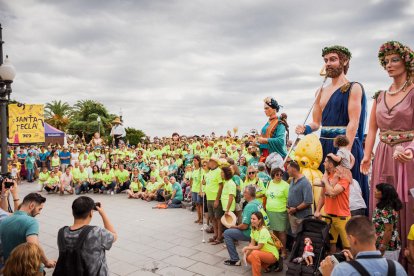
x=108 y=192
x=112 y=192
x=232 y=263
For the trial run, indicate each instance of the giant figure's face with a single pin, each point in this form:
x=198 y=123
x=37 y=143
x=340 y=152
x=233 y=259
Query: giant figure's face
x=334 y=66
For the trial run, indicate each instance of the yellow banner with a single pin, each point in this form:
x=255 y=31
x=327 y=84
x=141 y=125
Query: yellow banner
x=26 y=124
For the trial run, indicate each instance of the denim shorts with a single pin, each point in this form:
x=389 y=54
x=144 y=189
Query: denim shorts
x=196 y=198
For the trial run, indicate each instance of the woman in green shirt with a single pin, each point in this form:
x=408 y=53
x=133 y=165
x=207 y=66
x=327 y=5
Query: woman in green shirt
x=228 y=194
x=195 y=183
x=135 y=188
x=277 y=194
x=243 y=167
x=262 y=251
x=253 y=179
x=96 y=179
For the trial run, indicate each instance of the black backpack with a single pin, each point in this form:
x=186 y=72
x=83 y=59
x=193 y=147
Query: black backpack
x=70 y=261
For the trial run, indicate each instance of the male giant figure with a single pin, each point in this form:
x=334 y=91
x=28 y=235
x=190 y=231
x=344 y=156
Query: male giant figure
x=340 y=108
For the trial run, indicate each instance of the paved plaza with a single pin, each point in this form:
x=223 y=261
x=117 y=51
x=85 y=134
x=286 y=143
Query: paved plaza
x=150 y=241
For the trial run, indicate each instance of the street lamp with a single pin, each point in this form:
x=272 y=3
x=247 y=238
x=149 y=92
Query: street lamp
x=7 y=74
x=99 y=124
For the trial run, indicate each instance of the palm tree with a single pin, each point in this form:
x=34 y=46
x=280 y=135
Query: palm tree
x=84 y=118
x=57 y=114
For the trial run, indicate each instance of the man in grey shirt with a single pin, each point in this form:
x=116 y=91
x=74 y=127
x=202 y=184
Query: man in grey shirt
x=97 y=241
x=300 y=197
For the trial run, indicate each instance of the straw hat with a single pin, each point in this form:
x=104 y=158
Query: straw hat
x=117 y=121
x=229 y=220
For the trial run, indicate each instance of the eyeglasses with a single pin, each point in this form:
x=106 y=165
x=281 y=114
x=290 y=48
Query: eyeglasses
x=279 y=174
x=251 y=173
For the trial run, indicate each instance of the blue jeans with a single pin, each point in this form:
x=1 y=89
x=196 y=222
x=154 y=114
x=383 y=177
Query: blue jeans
x=83 y=187
x=109 y=187
x=30 y=174
x=123 y=186
x=175 y=203
x=231 y=235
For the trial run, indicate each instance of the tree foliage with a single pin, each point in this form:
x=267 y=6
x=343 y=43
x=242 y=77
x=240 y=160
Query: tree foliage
x=57 y=114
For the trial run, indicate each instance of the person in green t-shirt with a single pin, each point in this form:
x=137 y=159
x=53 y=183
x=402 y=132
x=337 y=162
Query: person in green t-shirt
x=177 y=194
x=214 y=188
x=52 y=183
x=277 y=195
x=253 y=179
x=195 y=183
x=81 y=181
x=108 y=181
x=122 y=179
x=43 y=176
x=151 y=189
x=228 y=195
x=96 y=179
x=262 y=251
x=135 y=188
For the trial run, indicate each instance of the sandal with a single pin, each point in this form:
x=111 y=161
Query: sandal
x=213 y=239
x=217 y=242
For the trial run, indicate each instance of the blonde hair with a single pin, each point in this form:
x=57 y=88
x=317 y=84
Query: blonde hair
x=24 y=260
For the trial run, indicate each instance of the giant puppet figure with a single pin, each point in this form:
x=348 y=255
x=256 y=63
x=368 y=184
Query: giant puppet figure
x=340 y=109
x=273 y=134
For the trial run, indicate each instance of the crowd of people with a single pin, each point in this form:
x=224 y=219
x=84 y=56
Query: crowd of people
x=251 y=188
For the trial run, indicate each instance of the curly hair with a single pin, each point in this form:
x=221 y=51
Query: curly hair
x=341 y=141
x=389 y=197
x=24 y=260
x=343 y=53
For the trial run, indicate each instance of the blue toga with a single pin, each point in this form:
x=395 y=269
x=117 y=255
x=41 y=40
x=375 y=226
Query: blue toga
x=334 y=121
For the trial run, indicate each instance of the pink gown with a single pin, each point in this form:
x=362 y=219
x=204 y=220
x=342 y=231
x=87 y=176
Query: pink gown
x=388 y=170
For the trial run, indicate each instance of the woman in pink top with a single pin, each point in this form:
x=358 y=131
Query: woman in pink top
x=393 y=114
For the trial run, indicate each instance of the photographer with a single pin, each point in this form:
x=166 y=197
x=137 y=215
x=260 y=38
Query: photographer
x=8 y=186
x=96 y=240
x=361 y=236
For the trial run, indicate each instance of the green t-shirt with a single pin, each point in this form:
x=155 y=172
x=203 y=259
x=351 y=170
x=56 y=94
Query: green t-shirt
x=122 y=176
x=277 y=195
x=107 y=178
x=97 y=176
x=252 y=207
x=14 y=230
x=43 y=177
x=52 y=181
x=229 y=188
x=196 y=177
x=263 y=236
x=82 y=176
x=135 y=186
x=178 y=191
x=152 y=186
x=213 y=179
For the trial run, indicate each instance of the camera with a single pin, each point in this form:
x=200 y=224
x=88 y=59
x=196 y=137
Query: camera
x=338 y=258
x=97 y=204
x=7 y=179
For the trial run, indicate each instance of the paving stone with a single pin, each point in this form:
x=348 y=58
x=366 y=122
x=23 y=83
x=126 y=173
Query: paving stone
x=205 y=269
x=168 y=240
x=179 y=261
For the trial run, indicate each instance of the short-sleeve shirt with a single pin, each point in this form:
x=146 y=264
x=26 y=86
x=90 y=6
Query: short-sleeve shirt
x=213 y=179
x=108 y=178
x=196 y=176
x=251 y=207
x=135 y=186
x=122 y=176
x=277 y=195
x=299 y=192
x=15 y=229
x=263 y=236
x=93 y=250
x=229 y=188
x=65 y=155
x=338 y=205
x=380 y=217
x=345 y=157
x=43 y=177
x=178 y=191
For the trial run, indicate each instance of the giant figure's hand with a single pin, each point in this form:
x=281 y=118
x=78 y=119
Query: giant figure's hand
x=300 y=129
x=365 y=165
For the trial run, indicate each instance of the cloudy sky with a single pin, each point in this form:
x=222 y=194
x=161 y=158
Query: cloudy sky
x=194 y=66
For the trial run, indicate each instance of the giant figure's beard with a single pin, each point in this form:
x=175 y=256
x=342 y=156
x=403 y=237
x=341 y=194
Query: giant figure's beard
x=334 y=72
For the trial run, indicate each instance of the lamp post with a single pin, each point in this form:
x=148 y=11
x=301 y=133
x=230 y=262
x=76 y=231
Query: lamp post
x=99 y=124
x=7 y=74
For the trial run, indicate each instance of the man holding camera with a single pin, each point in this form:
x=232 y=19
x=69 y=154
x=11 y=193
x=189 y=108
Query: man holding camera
x=95 y=240
x=367 y=261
